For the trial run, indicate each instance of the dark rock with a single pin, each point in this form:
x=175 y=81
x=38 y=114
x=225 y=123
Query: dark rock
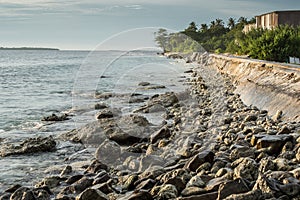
x=56 y=118
x=272 y=143
x=73 y=179
x=51 y=182
x=146 y=184
x=105 y=95
x=160 y=134
x=81 y=185
x=203 y=157
x=143 y=84
x=177 y=182
x=232 y=187
x=188 y=71
x=129 y=183
x=284 y=130
x=31 y=145
x=189 y=191
x=242 y=151
x=105 y=113
x=100 y=106
x=250 y=118
x=67 y=170
x=290 y=189
x=214 y=184
x=5 y=196
x=154 y=87
x=123 y=138
x=141 y=195
x=101 y=179
x=13 y=188
x=208 y=196
x=92 y=194
x=245 y=168
x=103 y=187
x=251 y=195
x=23 y=193
x=167 y=191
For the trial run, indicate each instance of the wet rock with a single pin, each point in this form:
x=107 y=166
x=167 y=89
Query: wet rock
x=23 y=193
x=56 y=118
x=232 y=187
x=103 y=187
x=161 y=134
x=31 y=145
x=81 y=185
x=5 y=196
x=73 y=179
x=108 y=152
x=141 y=195
x=146 y=184
x=208 y=196
x=203 y=157
x=245 y=168
x=143 y=84
x=129 y=183
x=150 y=161
x=101 y=179
x=67 y=170
x=13 y=188
x=100 y=106
x=96 y=166
x=105 y=113
x=94 y=194
x=251 y=195
x=51 y=182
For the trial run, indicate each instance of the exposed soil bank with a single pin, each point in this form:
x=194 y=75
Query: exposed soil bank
x=271 y=86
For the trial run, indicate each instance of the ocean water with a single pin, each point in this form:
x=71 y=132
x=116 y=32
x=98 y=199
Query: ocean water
x=34 y=84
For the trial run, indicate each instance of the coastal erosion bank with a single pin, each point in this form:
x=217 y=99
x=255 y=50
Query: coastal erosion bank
x=267 y=85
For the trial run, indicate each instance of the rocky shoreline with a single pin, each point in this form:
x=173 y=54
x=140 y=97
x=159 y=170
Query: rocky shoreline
x=209 y=145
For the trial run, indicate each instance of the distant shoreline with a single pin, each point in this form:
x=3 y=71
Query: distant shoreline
x=28 y=48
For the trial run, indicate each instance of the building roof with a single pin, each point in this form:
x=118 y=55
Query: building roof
x=282 y=11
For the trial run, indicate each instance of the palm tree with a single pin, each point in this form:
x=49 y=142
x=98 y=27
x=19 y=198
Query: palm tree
x=204 y=27
x=231 y=23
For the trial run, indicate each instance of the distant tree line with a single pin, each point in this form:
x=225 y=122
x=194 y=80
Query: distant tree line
x=267 y=44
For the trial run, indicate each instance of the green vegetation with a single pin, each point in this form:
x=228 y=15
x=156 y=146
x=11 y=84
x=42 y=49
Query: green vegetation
x=275 y=45
x=176 y=42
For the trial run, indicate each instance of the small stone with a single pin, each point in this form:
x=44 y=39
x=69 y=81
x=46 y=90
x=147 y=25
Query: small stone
x=73 y=179
x=94 y=194
x=81 y=184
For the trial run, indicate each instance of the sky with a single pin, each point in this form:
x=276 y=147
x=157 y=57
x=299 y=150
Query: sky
x=83 y=25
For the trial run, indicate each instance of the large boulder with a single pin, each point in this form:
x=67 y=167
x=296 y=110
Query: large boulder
x=31 y=145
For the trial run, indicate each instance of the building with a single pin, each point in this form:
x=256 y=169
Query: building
x=274 y=19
